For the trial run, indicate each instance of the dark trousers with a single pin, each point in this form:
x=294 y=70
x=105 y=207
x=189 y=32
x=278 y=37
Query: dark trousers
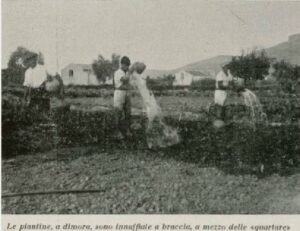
x=40 y=104
x=220 y=112
x=127 y=112
x=39 y=100
x=123 y=115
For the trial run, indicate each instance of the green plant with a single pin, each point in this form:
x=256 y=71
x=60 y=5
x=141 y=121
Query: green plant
x=104 y=68
x=252 y=66
x=204 y=84
x=287 y=75
x=162 y=83
x=17 y=65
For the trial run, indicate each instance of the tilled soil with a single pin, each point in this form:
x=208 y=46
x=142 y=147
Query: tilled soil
x=133 y=181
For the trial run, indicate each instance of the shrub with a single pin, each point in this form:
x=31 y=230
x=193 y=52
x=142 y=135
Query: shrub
x=287 y=76
x=265 y=85
x=163 y=83
x=104 y=68
x=236 y=148
x=239 y=149
x=204 y=84
x=21 y=132
x=89 y=91
x=252 y=66
x=17 y=65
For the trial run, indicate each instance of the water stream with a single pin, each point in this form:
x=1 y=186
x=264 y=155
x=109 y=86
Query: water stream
x=159 y=134
x=256 y=109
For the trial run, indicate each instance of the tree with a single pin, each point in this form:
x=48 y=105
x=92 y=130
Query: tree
x=17 y=65
x=115 y=60
x=252 y=66
x=287 y=75
x=104 y=68
x=169 y=78
x=161 y=83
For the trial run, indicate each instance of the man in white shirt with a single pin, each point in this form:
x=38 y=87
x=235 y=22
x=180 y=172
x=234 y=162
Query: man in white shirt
x=122 y=103
x=35 y=78
x=223 y=83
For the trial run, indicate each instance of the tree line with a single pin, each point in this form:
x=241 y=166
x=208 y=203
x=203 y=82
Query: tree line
x=251 y=67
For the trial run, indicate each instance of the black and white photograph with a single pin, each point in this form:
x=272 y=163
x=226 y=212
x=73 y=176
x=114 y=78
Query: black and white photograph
x=150 y=107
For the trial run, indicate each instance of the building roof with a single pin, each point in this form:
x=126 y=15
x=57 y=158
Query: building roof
x=197 y=73
x=83 y=66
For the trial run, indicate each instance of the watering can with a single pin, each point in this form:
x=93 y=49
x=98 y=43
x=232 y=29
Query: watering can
x=238 y=84
x=52 y=84
x=138 y=67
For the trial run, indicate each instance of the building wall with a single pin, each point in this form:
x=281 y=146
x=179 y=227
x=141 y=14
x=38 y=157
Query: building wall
x=183 y=78
x=81 y=76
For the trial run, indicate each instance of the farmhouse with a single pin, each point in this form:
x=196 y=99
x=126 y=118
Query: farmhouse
x=185 y=78
x=80 y=74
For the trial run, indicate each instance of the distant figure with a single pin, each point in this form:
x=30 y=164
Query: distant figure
x=35 y=78
x=122 y=103
x=223 y=82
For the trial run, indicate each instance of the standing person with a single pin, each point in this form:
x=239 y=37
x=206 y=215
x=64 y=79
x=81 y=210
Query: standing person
x=223 y=82
x=35 y=78
x=122 y=103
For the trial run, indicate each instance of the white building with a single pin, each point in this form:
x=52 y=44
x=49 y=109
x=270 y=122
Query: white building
x=80 y=74
x=185 y=78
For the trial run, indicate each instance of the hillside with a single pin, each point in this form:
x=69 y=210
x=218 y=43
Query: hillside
x=210 y=66
x=289 y=51
x=157 y=73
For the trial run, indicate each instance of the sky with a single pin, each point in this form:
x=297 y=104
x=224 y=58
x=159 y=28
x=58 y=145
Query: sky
x=165 y=34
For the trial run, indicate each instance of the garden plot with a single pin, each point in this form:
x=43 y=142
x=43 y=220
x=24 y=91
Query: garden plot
x=231 y=170
x=137 y=182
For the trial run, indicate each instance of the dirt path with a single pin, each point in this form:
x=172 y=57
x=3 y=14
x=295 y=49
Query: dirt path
x=139 y=181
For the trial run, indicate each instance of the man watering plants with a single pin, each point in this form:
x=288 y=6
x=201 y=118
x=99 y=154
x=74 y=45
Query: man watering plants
x=223 y=82
x=122 y=102
x=40 y=85
x=35 y=78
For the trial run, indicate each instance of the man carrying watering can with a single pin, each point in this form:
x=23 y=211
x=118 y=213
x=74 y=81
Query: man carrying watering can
x=122 y=103
x=224 y=82
x=40 y=84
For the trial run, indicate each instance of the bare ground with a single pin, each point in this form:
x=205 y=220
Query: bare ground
x=139 y=181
